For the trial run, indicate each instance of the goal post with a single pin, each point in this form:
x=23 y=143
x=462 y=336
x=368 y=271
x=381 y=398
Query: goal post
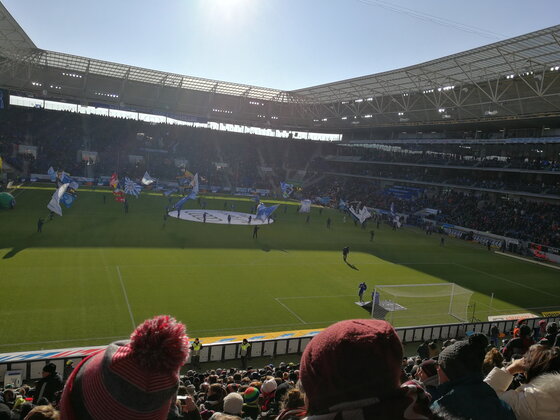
x=418 y=304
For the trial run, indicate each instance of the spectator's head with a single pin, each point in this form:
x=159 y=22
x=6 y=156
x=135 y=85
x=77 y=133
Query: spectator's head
x=49 y=369
x=426 y=369
x=494 y=358
x=525 y=331
x=233 y=404
x=5 y=412
x=251 y=396
x=541 y=359
x=294 y=399
x=348 y=361
x=462 y=358
x=552 y=328
x=269 y=386
x=43 y=412
x=131 y=379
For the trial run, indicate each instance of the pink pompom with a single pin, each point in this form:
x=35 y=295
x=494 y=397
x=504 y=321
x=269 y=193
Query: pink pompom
x=160 y=343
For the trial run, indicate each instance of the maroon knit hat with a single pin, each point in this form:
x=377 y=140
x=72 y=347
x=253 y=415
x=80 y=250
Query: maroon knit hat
x=133 y=379
x=350 y=360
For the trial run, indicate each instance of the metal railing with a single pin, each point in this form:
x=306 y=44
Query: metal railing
x=222 y=352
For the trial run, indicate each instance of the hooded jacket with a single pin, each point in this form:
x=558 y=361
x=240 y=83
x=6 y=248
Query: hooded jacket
x=537 y=400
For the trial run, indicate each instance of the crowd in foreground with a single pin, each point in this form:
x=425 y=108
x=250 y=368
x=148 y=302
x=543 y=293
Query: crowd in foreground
x=353 y=369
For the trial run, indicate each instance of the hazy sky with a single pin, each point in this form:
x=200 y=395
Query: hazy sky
x=283 y=44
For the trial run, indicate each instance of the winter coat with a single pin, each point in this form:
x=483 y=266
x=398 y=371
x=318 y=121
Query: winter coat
x=470 y=398
x=52 y=384
x=537 y=400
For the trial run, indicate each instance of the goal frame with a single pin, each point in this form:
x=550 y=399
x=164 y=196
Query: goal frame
x=452 y=294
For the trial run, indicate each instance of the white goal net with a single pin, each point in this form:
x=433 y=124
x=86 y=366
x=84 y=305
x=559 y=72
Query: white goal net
x=419 y=304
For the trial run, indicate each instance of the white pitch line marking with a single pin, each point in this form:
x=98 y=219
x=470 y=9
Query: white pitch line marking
x=290 y=311
x=508 y=280
x=528 y=260
x=126 y=298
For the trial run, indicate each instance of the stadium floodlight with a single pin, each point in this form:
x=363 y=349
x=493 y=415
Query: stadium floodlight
x=490 y=113
x=411 y=304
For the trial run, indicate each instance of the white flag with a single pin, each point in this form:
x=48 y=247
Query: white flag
x=147 y=179
x=194 y=184
x=54 y=204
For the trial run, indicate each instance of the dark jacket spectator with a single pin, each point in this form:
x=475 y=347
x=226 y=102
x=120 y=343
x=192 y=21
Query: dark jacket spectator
x=520 y=344
x=48 y=385
x=464 y=394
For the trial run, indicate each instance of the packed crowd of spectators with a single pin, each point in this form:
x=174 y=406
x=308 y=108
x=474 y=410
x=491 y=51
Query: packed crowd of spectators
x=458 y=156
x=532 y=183
x=223 y=158
x=533 y=221
x=353 y=369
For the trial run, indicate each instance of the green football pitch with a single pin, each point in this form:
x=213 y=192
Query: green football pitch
x=95 y=272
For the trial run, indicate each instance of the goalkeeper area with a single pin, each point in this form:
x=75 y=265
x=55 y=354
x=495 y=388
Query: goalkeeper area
x=404 y=303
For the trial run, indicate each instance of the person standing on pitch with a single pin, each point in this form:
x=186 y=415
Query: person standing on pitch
x=345 y=252
x=229 y=219
x=255 y=232
x=40 y=224
x=307 y=220
x=204 y=217
x=361 y=289
x=442 y=241
x=329 y=223
x=371 y=235
x=249 y=220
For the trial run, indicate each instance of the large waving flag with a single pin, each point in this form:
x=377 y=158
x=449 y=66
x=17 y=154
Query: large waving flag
x=131 y=187
x=264 y=212
x=194 y=184
x=52 y=174
x=287 y=189
x=54 y=204
x=147 y=179
x=119 y=196
x=114 y=181
x=65 y=179
x=68 y=199
x=182 y=201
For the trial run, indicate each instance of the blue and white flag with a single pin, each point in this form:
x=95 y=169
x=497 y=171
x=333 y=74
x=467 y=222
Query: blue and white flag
x=131 y=187
x=194 y=184
x=64 y=178
x=264 y=212
x=182 y=201
x=287 y=189
x=52 y=174
x=68 y=199
x=392 y=209
x=54 y=204
x=147 y=179
x=167 y=193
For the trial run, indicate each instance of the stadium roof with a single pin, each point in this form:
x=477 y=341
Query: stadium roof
x=525 y=53
x=512 y=79
x=12 y=36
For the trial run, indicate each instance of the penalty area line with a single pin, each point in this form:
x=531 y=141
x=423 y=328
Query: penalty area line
x=290 y=311
x=126 y=298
